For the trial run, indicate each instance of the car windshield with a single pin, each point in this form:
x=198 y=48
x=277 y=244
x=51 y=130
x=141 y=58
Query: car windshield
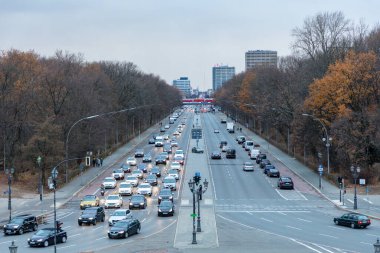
x=89 y=211
x=175 y=164
x=165 y=192
x=43 y=232
x=125 y=186
x=166 y=204
x=145 y=186
x=117 y=171
x=108 y=180
x=248 y=164
x=152 y=177
x=169 y=180
x=16 y=221
x=113 y=197
x=118 y=213
x=138 y=198
x=131 y=178
x=173 y=172
x=131 y=159
x=273 y=170
x=89 y=197
x=122 y=223
x=136 y=172
x=286 y=179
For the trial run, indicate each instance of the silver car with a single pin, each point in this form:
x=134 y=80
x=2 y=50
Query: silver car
x=121 y=214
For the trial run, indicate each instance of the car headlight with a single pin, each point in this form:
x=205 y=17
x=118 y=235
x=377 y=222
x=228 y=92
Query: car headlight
x=121 y=232
x=108 y=231
x=142 y=203
x=79 y=218
x=159 y=210
x=16 y=226
x=5 y=226
x=28 y=239
x=159 y=197
x=91 y=218
x=171 y=197
x=170 y=210
x=40 y=240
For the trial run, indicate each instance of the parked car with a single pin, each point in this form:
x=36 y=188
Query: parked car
x=248 y=166
x=92 y=215
x=273 y=172
x=125 y=189
x=118 y=215
x=109 y=182
x=113 y=201
x=89 y=201
x=165 y=194
x=20 y=224
x=216 y=155
x=45 y=237
x=353 y=220
x=285 y=183
x=156 y=171
x=118 y=174
x=124 y=228
x=197 y=150
x=137 y=201
x=166 y=207
x=139 y=152
x=131 y=161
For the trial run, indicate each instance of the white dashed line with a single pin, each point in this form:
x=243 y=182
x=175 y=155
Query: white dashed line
x=329 y=236
x=304 y=220
x=293 y=227
x=266 y=220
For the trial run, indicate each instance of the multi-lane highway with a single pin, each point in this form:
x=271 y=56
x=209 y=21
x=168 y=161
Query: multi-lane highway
x=251 y=212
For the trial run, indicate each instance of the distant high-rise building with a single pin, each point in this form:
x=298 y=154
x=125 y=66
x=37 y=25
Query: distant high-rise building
x=260 y=58
x=183 y=84
x=220 y=75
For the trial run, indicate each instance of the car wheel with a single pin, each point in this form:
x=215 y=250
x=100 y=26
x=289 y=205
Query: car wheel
x=64 y=239
x=336 y=222
x=35 y=227
x=94 y=223
x=126 y=235
x=80 y=223
x=21 y=231
x=352 y=225
x=102 y=218
x=138 y=230
x=46 y=243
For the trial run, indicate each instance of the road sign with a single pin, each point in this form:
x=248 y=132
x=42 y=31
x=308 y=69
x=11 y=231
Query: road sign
x=54 y=173
x=196 y=133
x=193 y=215
x=320 y=168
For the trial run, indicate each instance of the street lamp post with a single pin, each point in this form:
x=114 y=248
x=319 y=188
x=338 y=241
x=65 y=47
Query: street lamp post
x=376 y=245
x=327 y=140
x=41 y=186
x=10 y=172
x=192 y=188
x=13 y=247
x=355 y=170
x=54 y=175
x=200 y=192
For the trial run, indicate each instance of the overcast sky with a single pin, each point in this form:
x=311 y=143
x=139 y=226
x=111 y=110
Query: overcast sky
x=169 y=38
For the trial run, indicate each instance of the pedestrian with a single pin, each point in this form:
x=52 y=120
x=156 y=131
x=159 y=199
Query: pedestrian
x=97 y=162
x=101 y=161
x=200 y=192
x=93 y=162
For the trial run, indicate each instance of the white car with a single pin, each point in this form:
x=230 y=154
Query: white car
x=175 y=166
x=216 y=131
x=137 y=173
x=179 y=153
x=254 y=153
x=113 y=201
x=174 y=143
x=132 y=180
x=167 y=126
x=166 y=136
x=131 y=161
x=173 y=173
x=117 y=215
x=248 y=166
x=170 y=182
x=118 y=174
x=145 y=189
x=125 y=188
x=109 y=182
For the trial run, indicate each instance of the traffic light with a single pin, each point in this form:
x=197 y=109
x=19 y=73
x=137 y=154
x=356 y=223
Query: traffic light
x=340 y=180
x=197 y=178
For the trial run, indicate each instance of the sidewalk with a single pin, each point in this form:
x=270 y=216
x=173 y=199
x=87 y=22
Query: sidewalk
x=369 y=207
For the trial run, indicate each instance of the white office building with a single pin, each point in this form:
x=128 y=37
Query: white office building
x=183 y=84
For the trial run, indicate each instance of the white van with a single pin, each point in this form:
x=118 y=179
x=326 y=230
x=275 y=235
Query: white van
x=254 y=153
x=248 y=145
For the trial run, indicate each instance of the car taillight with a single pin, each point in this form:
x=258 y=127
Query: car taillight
x=360 y=222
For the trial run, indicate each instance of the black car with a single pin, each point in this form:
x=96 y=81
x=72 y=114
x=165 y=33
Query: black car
x=151 y=179
x=91 y=215
x=161 y=159
x=139 y=153
x=165 y=194
x=222 y=143
x=45 y=237
x=20 y=224
x=216 y=155
x=124 y=228
x=137 y=201
x=166 y=207
x=126 y=168
x=231 y=153
x=156 y=171
x=264 y=162
x=273 y=172
x=142 y=167
x=260 y=157
x=285 y=183
x=151 y=141
x=267 y=168
x=162 y=130
x=353 y=220
x=147 y=158
x=240 y=139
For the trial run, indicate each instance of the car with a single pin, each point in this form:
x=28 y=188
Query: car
x=142 y=167
x=175 y=166
x=222 y=143
x=176 y=133
x=151 y=141
x=147 y=158
x=167 y=148
x=264 y=162
x=353 y=220
x=231 y=153
x=151 y=179
x=165 y=194
x=126 y=168
x=162 y=129
x=89 y=201
x=133 y=180
x=118 y=215
x=248 y=145
x=118 y=174
x=197 y=150
x=91 y=215
x=179 y=159
x=124 y=228
x=216 y=131
x=45 y=237
x=173 y=173
x=285 y=183
x=144 y=189
x=260 y=157
x=113 y=201
x=166 y=126
x=20 y=224
x=166 y=207
x=169 y=182
x=216 y=155
x=125 y=189
x=179 y=153
x=225 y=148
x=166 y=154
x=156 y=171
x=248 y=166
x=160 y=159
x=240 y=139
x=139 y=152
x=109 y=183
x=267 y=168
x=174 y=143
x=253 y=153
x=131 y=161
x=273 y=172
x=159 y=141
x=137 y=201
x=137 y=173
x=166 y=137
x=183 y=122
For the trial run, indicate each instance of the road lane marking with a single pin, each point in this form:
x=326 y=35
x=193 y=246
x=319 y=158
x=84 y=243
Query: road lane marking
x=336 y=227
x=282 y=213
x=307 y=246
x=350 y=200
x=74 y=235
x=319 y=246
x=301 y=194
x=98 y=227
x=266 y=220
x=71 y=245
x=367 y=200
x=293 y=227
x=329 y=236
x=373 y=235
x=304 y=220
x=66 y=227
x=249 y=213
x=366 y=243
x=7 y=242
x=280 y=194
x=101 y=238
